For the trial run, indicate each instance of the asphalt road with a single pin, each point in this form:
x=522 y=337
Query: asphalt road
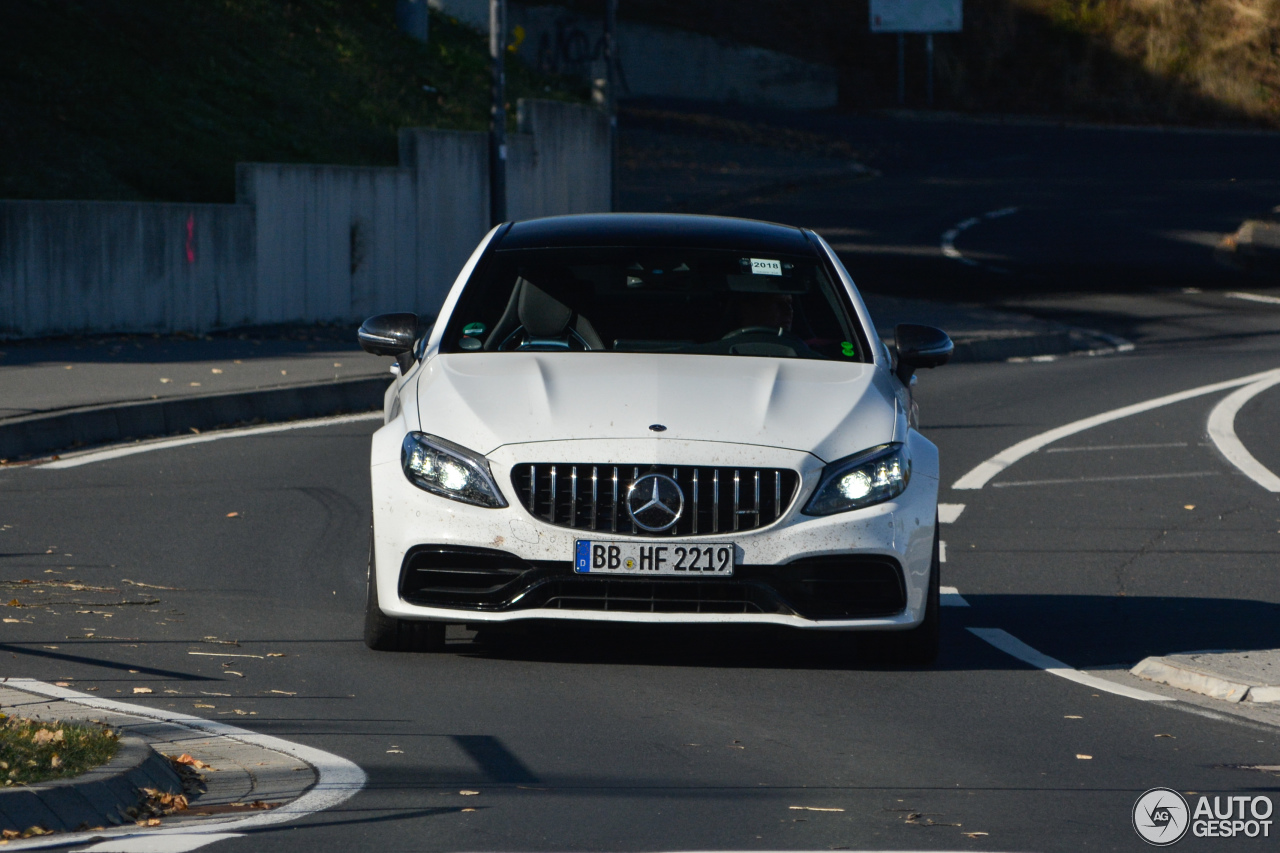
x=660 y=740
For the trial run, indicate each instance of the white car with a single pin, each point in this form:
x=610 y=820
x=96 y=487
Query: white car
x=658 y=419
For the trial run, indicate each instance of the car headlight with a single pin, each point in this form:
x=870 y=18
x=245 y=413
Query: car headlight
x=866 y=478
x=446 y=469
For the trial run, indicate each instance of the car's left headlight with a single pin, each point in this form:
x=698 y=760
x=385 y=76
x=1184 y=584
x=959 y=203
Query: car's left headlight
x=857 y=481
x=449 y=470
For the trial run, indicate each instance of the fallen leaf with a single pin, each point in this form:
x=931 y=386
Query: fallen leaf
x=216 y=370
x=286 y=692
x=468 y=810
x=233 y=515
x=275 y=654
x=165 y=380
x=1172 y=736
x=203 y=693
x=55 y=762
x=13 y=602
x=189 y=760
x=198 y=705
x=395 y=752
x=1073 y=717
x=233 y=672
x=42 y=737
x=194 y=385
x=974 y=834
x=13 y=620
x=143 y=690
x=65 y=684
x=284 y=373
x=468 y=793
x=147 y=585
x=1189 y=506
x=337 y=364
x=813 y=809
x=1083 y=757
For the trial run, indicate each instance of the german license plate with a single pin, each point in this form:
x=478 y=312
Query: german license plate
x=642 y=558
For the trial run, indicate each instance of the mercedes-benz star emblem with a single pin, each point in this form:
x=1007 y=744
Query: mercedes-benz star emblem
x=655 y=502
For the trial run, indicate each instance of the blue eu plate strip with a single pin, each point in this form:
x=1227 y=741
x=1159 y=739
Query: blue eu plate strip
x=582 y=561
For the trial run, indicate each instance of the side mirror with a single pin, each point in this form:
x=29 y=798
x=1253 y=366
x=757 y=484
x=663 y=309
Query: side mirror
x=920 y=346
x=390 y=334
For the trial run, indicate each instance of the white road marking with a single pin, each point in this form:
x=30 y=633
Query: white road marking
x=942 y=551
x=949 y=236
x=1118 y=447
x=73 y=460
x=159 y=843
x=1116 y=478
x=338 y=779
x=1222 y=431
x=982 y=474
x=949 y=596
x=1011 y=645
x=1254 y=297
x=948 y=513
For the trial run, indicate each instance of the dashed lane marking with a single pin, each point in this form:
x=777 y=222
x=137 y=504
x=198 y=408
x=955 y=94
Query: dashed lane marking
x=942 y=551
x=1108 y=479
x=159 y=844
x=982 y=474
x=1222 y=432
x=951 y=234
x=948 y=513
x=1161 y=445
x=1254 y=297
x=1011 y=645
x=949 y=596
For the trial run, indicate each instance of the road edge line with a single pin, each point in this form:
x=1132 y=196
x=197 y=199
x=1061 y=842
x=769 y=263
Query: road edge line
x=1011 y=645
x=982 y=473
x=1222 y=432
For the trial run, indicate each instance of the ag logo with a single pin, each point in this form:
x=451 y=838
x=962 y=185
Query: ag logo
x=655 y=503
x=1160 y=817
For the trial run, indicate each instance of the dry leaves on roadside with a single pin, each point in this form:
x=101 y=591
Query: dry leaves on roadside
x=143 y=690
x=813 y=809
x=189 y=760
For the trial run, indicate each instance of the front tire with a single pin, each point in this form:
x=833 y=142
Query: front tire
x=385 y=633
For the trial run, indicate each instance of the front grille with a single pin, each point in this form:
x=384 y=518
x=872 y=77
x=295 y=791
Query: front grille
x=587 y=496
x=635 y=596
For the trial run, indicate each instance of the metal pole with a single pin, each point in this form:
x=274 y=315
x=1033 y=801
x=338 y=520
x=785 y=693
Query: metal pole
x=928 y=50
x=902 y=69
x=611 y=94
x=498 y=113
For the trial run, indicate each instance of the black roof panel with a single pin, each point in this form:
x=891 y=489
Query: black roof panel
x=654 y=229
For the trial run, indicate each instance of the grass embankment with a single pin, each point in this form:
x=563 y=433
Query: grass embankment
x=1149 y=61
x=32 y=751
x=158 y=99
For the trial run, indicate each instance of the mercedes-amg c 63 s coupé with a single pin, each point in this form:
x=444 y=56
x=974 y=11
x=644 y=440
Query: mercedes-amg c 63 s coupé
x=654 y=419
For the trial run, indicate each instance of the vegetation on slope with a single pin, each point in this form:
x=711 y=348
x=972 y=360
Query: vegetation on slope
x=1161 y=61
x=158 y=99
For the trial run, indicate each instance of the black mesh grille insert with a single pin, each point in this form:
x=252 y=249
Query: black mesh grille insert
x=588 y=496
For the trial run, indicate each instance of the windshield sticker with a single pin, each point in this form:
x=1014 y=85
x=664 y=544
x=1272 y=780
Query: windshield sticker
x=473 y=329
x=765 y=266
x=847 y=349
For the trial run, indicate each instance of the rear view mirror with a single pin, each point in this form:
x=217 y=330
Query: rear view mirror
x=920 y=346
x=389 y=334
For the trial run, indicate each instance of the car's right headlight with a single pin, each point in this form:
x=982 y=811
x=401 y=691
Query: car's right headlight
x=858 y=481
x=449 y=470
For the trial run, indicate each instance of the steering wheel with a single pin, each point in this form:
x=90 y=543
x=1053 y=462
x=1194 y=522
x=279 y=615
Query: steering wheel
x=776 y=331
x=519 y=338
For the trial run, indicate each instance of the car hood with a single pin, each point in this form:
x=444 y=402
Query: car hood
x=487 y=400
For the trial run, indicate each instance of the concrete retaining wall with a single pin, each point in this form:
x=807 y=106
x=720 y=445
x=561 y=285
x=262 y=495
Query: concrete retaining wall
x=333 y=242
x=304 y=243
x=87 y=266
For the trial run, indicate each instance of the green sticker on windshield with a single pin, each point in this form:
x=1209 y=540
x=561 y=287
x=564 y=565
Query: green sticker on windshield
x=473 y=329
x=847 y=349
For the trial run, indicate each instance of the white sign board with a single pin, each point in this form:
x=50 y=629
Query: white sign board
x=916 y=16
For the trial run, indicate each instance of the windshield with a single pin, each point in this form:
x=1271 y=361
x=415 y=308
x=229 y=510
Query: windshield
x=710 y=302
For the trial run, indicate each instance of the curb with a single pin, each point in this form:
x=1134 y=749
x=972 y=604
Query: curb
x=101 y=796
x=1204 y=682
x=33 y=435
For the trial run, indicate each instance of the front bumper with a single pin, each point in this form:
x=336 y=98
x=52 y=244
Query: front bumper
x=443 y=560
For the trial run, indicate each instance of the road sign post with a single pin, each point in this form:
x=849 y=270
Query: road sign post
x=916 y=16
